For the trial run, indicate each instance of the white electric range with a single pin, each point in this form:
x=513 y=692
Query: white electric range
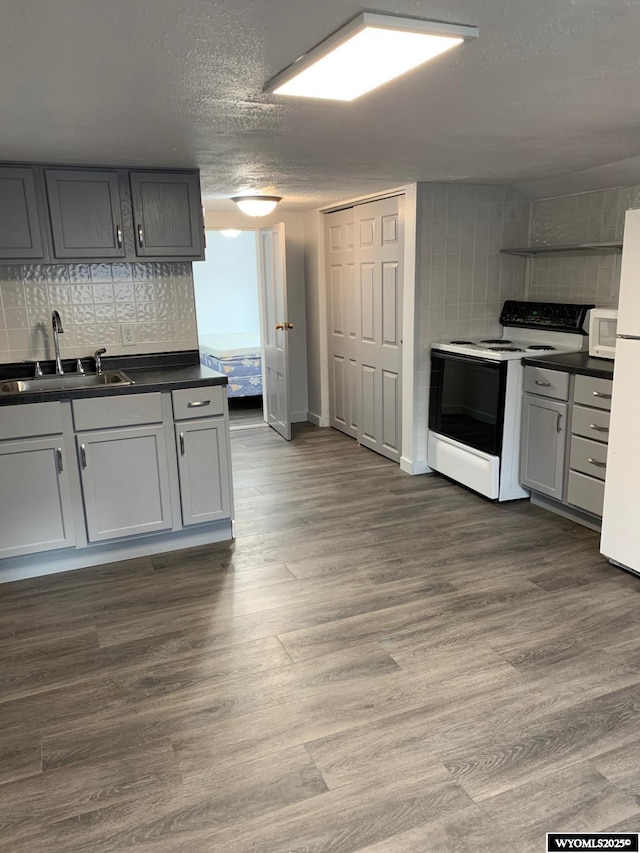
x=475 y=395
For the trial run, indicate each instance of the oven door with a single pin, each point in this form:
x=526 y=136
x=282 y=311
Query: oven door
x=466 y=400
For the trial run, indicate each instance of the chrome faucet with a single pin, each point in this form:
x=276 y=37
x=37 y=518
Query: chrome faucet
x=97 y=357
x=56 y=323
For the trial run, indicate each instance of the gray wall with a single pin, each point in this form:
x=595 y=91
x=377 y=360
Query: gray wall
x=581 y=218
x=93 y=301
x=462 y=278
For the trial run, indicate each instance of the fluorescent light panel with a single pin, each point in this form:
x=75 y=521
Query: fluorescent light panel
x=369 y=51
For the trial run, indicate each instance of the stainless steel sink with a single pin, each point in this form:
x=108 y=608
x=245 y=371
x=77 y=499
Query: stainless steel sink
x=66 y=382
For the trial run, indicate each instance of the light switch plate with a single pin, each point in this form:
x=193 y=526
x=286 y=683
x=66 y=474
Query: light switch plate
x=128 y=333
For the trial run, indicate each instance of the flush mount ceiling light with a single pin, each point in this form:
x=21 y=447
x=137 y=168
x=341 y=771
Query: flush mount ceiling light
x=257 y=205
x=230 y=232
x=368 y=51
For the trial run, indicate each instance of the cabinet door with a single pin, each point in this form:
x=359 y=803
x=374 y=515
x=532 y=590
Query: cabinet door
x=167 y=212
x=204 y=470
x=86 y=218
x=20 y=233
x=125 y=481
x=35 y=501
x=543 y=445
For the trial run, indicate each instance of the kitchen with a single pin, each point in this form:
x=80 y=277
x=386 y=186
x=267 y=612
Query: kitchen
x=372 y=572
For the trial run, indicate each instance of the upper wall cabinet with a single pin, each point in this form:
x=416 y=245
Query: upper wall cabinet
x=86 y=214
x=20 y=232
x=167 y=214
x=99 y=214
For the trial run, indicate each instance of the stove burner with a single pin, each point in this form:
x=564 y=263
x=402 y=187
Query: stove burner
x=506 y=349
x=461 y=343
x=540 y=347
x=496 y=341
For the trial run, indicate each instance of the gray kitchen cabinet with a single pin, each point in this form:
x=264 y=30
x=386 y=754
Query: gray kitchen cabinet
x=203 y=455
x=203 y=465
x=125 y=481
x=167 y=214
x=20 y=231
x=543 y=445
x=85 y=212
x=35 y=502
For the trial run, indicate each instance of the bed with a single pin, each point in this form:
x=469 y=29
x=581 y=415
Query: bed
x=239 y=357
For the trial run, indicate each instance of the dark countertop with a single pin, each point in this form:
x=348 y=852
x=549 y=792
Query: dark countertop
x=574 y=362
x=155 y=372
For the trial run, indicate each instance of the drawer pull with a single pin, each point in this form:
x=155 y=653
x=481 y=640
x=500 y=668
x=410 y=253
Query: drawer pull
x=197 y=403
x=598 y=428
x=596 y=463
x=600 y=394
x=544 y=384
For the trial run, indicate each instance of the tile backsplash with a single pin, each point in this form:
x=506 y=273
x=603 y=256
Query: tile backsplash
x=94 y=301
x=591 y=217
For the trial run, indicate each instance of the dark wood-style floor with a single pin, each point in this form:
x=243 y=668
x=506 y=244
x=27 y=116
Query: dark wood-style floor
x=380 y=663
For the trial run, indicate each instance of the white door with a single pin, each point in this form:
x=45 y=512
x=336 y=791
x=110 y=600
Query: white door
x=342 y=326
x=276 y=327
x=379 y=242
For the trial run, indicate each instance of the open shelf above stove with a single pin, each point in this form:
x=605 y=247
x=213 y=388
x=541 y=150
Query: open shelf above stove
x=532 y=251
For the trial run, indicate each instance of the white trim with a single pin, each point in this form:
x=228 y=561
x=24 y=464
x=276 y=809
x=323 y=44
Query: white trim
x=316 y=420
x=363 y=199
x=323 y=320
x=298 y=417
x=413 y=468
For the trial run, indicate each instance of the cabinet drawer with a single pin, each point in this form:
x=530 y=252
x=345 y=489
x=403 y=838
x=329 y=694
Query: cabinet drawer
x=588 y=456
x=586 y=493
x=547 y=383
x=198 y=402
x=103 y=412
x=592 y=391
x=30 y=419
x=590 y=423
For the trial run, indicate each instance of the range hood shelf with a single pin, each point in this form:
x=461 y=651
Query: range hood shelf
x=532 y=251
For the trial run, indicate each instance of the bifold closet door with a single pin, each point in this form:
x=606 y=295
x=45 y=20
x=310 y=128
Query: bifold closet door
x=364 y=251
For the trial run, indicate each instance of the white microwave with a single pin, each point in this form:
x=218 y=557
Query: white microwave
x=603 y=325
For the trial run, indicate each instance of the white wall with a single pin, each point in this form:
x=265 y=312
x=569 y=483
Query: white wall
x=226 y=286
x=295 y=248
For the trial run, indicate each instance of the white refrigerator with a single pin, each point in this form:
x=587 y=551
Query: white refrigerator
x=620 y=540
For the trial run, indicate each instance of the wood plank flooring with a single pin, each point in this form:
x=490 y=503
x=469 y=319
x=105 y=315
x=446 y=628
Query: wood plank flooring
x=379 y=663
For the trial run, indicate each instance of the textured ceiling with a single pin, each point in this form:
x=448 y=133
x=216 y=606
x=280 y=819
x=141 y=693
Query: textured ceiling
x=548 y=97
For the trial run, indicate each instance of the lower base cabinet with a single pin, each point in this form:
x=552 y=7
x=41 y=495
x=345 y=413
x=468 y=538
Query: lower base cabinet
x=203 y=466
x=35 y=499
x=543 y=445
x=125 y=482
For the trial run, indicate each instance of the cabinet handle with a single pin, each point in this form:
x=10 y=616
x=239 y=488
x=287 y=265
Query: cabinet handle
x=598 y=428
x=119 y=236
x=544 y=384
x=140 y=236
x=596 y=463
x=197 y=403
x=559 y=423
x=59 y=458
x=181 y=444
x=600 y=394
x=83 y=456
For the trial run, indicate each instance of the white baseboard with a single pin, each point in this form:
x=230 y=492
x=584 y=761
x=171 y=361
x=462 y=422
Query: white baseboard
x=317 y=420
x=298 y=417
x=418 y=467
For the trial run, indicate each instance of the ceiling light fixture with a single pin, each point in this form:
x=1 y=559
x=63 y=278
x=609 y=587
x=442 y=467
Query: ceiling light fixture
x=368 y=51
x=230 y=233
x=257 y=205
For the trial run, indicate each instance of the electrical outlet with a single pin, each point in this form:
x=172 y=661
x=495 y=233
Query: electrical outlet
x=128 y=334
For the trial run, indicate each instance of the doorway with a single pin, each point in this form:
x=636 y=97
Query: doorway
x=228 y=314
